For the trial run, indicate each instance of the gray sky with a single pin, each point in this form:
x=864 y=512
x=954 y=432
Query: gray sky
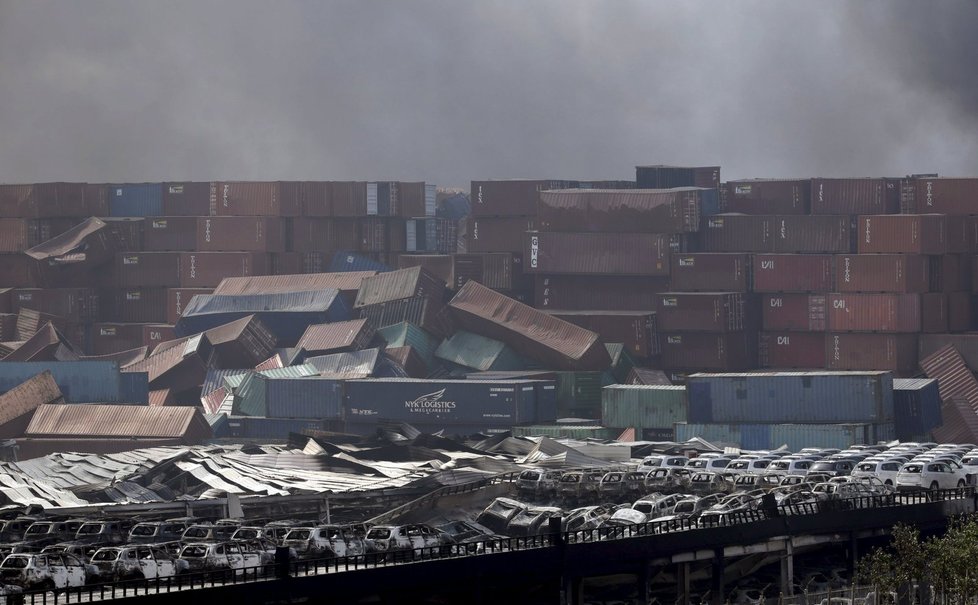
x=449 y=90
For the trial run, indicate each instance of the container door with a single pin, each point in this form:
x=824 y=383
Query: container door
x=700 y=403
x=430 y=206
x=372 y=199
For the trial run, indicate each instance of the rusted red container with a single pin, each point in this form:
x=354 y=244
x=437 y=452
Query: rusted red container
x=207 y=269
x=42 y=200
x=793 y=272
x=710 y=272
x=950 y=273
x=115 y=337
x=96 y=200
x=188 y=198
x=703 y=351
x=241 y=234
x=510 y=197
x=852 y=196
x=127 y=231
x=962 y=234
x=736 y=233
x=13 y=235
x=132 y=305
x=864 y=351
x=791 y=350
x=599 y=253
x=789 y=312
x=8 y=327
x=440 y=265
x=705 y=312
x=165 y=233
x=574 y=292
x=496 y=270
x=317 y=198
x=902 y=234
x=960 y=312
x=154 y=334
x=497 y=234
x=147 y=269
x=253 y=198
x=768 y=196
x=382 y=234
x=324 y=234
x=17 y=234
x=946 y=195
x=857 y=312
x=348 y=198
x=177 y=300
x=416 y=199
x=287 y=263
x=813 y=234
x=73 y=304
x=620 y=210
x=933 y=313
x=17 y=271
x=635 y=329
x=899 y=273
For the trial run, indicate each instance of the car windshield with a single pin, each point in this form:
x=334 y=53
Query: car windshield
x=912 y=468
x=194 y=550
x=298 y=534
x=38 y=528
x=15 y=562
x=106 y=555
x=89 y=529
x=738 y=464
x=822 y=466
x=144 y=530
x=530 y=475
x=570 y=479
x=380 y=533
x=867 y=467
x=685 y=506
x=197 y=532
x=245 y=534
x=780 y=465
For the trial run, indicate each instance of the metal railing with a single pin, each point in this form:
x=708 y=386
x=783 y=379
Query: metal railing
x=441 y=492
x=488 y=546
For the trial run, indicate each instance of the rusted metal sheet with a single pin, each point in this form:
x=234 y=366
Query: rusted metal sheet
x=813 y=234
x=705 y=312
x=733 y=351
x=857 y=312
x=241 y=198
x=599 y=253
x=902 y=234
x=794 y=312
x=93 y=421
x=337 y=337
x=612 y=292
x=73 y=304
x=959 y=391
x=946 y=195
x=510 y=197
x=177 y=300
x=933 y=313
x=736 y=233
x=557 y=344
x=768 y=196
x=187 y=198
x=788 y=350
x=496 y=270
x=207 y=269
x=852 y=196
x=899 y=273
x=855 y=351
x=400 y=284
x=793 y=273
x=713 y=272
x=635 y=329
x=30 y=321
x=315 y=234
x=132 y=305
x=18 y=404
x=620 y=211
x=960 y=312
x=47 y=344
x=440 y=265
x=502 y=234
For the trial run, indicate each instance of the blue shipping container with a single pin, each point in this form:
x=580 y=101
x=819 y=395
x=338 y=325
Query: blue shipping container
x=134 y=388
x=345 y=260
x=546 y=402
x=256 y=427
x=135 y=199
x=916 y=407
x=311 y=397
x=79 y=381
x=791 y=397
x=793 y=436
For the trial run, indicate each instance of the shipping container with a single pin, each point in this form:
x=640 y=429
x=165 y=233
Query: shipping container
x=207 y=269
x=611 y=292
x=8 y=327
x=79 y=381
x=501 y=234
x=791 y=350
x=68 y=259
x=247 y=427
x=76 y=305
x=316 y=198
x=667 y=177
x=600 y=253
x=647 y=376
x=898 y=273
x=430 y=235
x=452 y=402
x=321 y=339
x=348 y=198
x=406 y=334
x=793 y=437
x=736 y=233
x=625 y=211
x=734 y=351
x=793 y=273
x=314 y=234
x=813 y=234
x=95 y=200
x=794 y=312
x=532 y=333
x=637 y=330
x=289 y=397
x=135 y=199
x=853 y=351
x=852 y=196
x=352 y=364
x=242 y=343
x=42 y=200
x=960 y=312
x=710 y=272
x=18 y=271
x=187 y=199
x=466 y=350
x=417 y=199
x=510 y=197
x=415 y=282
x=215 y=234
x=946 y=195
x=706 y=312
x=440 y=265
x=873 y=312
x=132 y=305
x=154 y=334
x=768 y=196
x=916 y=407
x=109 y=338
x=279 y=198
x=345 y=260
x=951 y=273
x=496 y=270
x=418 y=311
x=579 y=393
x=643 y=407
x=147 y=269
x=17 y=234
x=177 y=300
x=902 y=234
x=933 y=313
x=382 y=234
x=791 y=397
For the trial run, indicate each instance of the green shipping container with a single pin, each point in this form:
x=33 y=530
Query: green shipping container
x=579 y=393
x=407 y=334
x=477 y=352
x=570 y=431
x=643 y=407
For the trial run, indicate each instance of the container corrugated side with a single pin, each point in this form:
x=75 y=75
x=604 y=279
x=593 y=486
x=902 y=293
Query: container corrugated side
x=917 y=407
x=736 y=233
x=637 y=330
x=621 y=210
x=965 y=344
x=245 y=427
x=851 y=196
x=793 y=273
x=599 y=253
x=606 y=292
x=135 y=199
x=706 y=312
x=79 y=381
x=902 y=234
x=710 y=272
x=786 y=350
x=794 y=436
x=500 y=234
x=801 y=312
x=946 y=195
x=698 y=351
x=642 y=406
x=897 y=273
x=813 y=234
x=478 y=353
x=311 y=397
x=853 y=312
x=406 y=334
x=866 y=351
x=768 y=196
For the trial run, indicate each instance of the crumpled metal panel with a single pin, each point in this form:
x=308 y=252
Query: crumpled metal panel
x=957 y=385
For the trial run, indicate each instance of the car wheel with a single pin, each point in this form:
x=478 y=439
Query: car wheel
x=934 y=485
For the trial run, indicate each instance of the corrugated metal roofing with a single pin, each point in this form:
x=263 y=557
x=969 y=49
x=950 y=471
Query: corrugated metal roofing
x=400 y=284
x=325 y=338
x=959 y=390
x=268 y=284
x=93 y=421
x=47 y=344
x=27 y=396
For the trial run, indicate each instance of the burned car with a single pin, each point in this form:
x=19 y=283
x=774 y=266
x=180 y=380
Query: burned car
x=131 y=563
x=216 y=557
x=325 y=541
x=46 y=572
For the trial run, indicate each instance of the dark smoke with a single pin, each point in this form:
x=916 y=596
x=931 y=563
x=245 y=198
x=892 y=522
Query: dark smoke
x=449 y=91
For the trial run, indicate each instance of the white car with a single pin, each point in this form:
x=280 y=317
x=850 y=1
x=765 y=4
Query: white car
x=884 y=470
x=789 y=466
x=132 y=562
x=928 y=475
x=747 y=465
x=712 y=463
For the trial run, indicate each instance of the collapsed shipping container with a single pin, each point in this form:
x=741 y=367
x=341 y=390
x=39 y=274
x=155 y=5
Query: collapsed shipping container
x=637 y=330
x=916 y=407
